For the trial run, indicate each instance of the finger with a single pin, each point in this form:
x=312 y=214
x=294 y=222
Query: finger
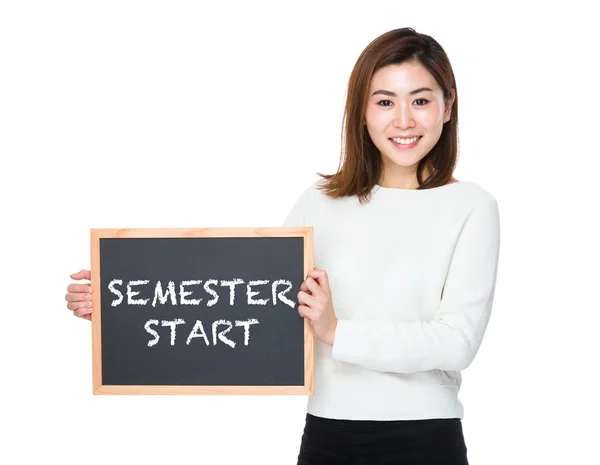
x=317 y=273
x=303 y=287
x=81 y=312
x=306 y=299
x=321 y=277
x=79 y=288
x=306 y=312
x=77 y=297
x=83 y=274
x=314 y=287
x=76 y=305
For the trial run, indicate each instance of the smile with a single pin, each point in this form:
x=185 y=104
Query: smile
x=405 y=143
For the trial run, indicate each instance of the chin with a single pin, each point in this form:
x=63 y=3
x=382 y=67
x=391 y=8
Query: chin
x=402 y=161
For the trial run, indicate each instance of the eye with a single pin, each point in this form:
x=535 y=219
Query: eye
x=382 y=101
x=422 y=100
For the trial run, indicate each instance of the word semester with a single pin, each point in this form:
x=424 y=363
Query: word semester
x=186 y=296
x=161 y=296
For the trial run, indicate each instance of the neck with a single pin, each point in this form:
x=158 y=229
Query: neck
x=407 y=180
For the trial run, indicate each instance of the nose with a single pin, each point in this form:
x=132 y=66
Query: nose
x=403 y=117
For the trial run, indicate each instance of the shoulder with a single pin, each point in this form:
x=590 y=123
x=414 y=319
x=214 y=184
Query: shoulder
x=302 y=206
x=313 y=192
x=475 y=194
x=308 y=192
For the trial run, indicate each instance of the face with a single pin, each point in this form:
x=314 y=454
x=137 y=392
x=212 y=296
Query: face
x=404 y=102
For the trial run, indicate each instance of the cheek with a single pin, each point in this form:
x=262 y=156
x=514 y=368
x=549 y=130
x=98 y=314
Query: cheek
x=433 y=118
x=376 y=120
x=432 y=124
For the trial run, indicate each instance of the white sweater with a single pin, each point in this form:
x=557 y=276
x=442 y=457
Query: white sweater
x=412 y=276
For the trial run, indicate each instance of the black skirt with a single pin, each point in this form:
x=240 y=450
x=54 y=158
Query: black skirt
x=403 y=442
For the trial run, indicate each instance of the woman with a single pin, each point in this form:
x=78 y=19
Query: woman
x=407 y=261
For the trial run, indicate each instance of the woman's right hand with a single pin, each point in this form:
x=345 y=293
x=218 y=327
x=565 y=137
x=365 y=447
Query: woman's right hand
x=79 y=296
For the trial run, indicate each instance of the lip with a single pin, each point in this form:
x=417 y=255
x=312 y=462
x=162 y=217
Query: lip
x=405 y=146
x=405 y=137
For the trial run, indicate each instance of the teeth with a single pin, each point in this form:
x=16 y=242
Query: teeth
x=404 y=141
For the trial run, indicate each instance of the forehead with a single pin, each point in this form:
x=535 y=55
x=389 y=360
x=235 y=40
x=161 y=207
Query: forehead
x=403 y=78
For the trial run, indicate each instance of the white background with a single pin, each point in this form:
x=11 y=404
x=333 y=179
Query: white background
x=201 y=114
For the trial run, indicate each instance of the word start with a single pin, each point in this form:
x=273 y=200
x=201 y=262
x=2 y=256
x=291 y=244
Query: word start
x=278 y=291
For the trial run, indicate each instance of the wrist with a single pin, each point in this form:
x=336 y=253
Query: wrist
x=331 y=338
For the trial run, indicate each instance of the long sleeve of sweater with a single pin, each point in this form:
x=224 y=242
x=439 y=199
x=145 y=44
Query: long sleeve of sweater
x=449 y=340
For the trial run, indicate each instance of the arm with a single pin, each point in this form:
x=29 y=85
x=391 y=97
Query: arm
x=452 y=338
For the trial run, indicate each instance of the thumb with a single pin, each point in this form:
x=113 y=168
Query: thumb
x=83 y=274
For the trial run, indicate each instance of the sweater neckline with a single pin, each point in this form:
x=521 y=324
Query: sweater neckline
x=378 y=187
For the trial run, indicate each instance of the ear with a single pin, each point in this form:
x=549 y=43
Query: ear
x=448 y=109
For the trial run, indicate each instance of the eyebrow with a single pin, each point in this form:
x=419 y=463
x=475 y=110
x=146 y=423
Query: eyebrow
x=392 y=94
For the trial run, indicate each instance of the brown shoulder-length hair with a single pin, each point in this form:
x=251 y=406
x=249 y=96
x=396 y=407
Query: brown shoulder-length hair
x=361 y=167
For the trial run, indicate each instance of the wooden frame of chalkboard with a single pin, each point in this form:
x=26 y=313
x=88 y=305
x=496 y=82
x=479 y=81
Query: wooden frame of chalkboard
x=125 y=262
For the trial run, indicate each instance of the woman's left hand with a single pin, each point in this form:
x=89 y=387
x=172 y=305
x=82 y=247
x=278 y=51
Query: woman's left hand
x=316 y=304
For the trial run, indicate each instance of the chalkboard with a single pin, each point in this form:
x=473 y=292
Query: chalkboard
x=200 y=311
